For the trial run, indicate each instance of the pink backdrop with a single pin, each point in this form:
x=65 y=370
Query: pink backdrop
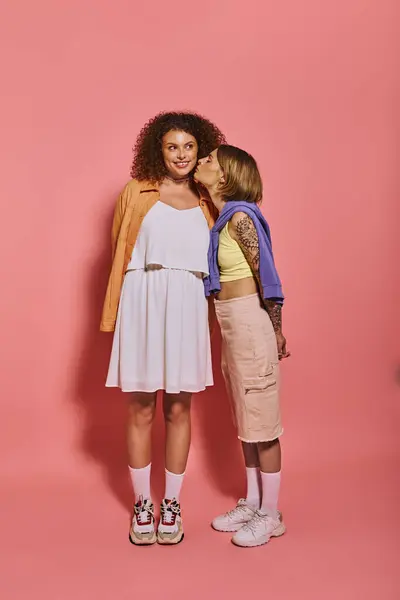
x=311 y=88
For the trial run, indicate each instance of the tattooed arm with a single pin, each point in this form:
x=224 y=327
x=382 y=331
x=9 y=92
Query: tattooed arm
x=245 y=233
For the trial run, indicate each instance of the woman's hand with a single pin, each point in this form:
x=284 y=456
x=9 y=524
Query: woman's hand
x=281 y=342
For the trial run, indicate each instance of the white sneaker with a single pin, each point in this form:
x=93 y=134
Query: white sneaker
x=170 y=527
x=259 y=530
x=234 y=519
x=142 y=531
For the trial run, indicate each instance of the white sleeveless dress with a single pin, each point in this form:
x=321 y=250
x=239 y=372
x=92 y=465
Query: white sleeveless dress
x=161 y=339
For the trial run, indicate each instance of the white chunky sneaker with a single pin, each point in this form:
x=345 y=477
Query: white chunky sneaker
x=142 y=531
x=170 y=527
x=259 y=530
x=234 y=519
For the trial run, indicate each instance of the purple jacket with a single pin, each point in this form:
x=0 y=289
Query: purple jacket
x=271 y=285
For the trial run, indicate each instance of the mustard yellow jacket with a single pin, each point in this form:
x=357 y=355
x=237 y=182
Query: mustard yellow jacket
x=133 y=204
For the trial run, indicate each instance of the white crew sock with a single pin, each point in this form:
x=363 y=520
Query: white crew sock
x=173 y=485
x=253 y=496
x=270 y=493
x=141 y=482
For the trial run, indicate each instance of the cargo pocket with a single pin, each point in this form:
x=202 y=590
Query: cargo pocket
x=261 y=401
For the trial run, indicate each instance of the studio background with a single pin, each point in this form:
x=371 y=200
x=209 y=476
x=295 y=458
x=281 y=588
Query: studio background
x=311 y=89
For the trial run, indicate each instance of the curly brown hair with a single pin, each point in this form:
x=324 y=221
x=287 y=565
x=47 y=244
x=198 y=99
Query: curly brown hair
x=148 y=163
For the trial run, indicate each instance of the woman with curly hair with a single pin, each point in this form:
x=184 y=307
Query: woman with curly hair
x=156 y=305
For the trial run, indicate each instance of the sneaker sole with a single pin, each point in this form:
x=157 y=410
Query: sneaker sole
x=228 y=529
x=167 y=542
x=279 y=531
x=139 y=542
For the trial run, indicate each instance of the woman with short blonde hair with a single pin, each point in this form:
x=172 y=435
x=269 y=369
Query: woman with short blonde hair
x=248 y=303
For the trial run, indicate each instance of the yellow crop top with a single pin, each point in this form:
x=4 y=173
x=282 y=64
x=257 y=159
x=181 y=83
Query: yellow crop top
x=231 y=260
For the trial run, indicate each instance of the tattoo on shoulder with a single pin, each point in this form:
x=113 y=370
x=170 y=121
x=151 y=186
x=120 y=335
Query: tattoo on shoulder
x=248 y=240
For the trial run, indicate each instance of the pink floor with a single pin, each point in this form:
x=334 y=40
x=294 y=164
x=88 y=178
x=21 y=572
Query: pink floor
x=68 y=539
x=75 y=545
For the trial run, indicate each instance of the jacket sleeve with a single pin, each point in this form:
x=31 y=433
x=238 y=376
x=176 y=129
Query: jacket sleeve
x=270 y=281
x=119 y=212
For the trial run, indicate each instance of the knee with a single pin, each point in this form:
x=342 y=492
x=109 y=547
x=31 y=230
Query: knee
x=177 y=412
x=141 y=414
x=273 y=444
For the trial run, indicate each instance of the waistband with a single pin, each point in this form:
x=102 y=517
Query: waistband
x=240 y=299
x=156 y=267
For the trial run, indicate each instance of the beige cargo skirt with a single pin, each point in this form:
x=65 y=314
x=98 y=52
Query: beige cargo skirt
x=250 y=367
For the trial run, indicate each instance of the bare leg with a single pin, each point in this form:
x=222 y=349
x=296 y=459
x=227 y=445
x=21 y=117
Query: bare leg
x=270 y=456
x=250 y=453
x=141 y=411
x=177 y=443
x=178 y=431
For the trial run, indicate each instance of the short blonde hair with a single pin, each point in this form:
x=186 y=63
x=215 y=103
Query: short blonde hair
x=241 y=174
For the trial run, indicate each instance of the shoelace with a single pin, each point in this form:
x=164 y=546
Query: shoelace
x=255 y=522
x=144 y=512
x=239 y=509
x=169 y=513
